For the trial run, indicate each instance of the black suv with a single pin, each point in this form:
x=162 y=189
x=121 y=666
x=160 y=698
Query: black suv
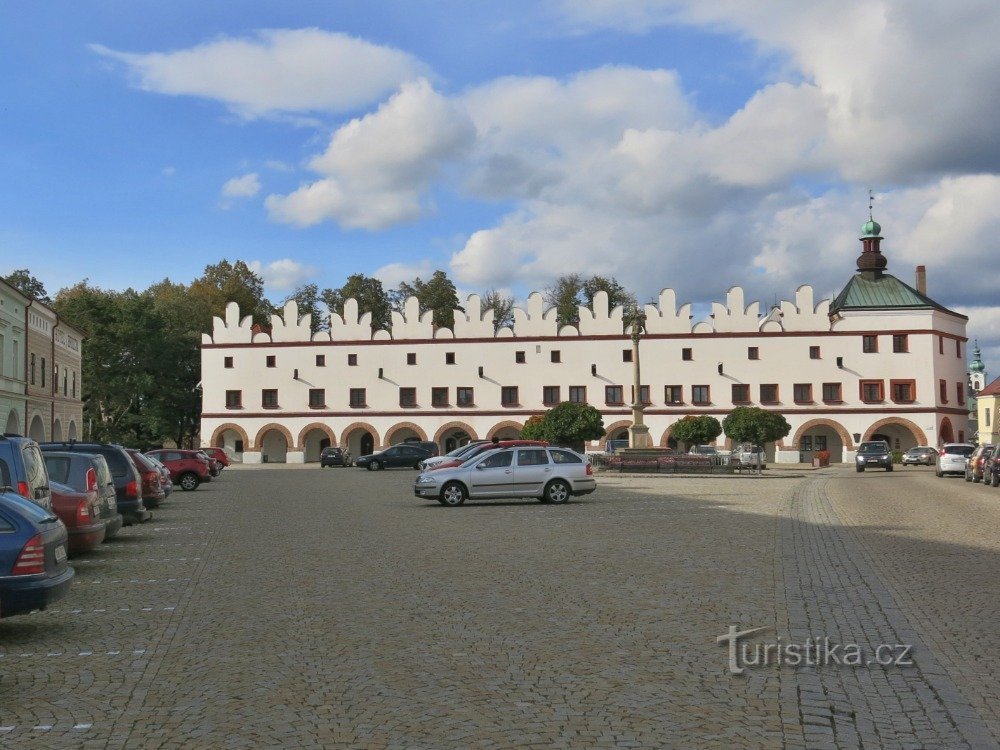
x=23 y=469
x=874 y=454
x=128 y=483
x=334 y=457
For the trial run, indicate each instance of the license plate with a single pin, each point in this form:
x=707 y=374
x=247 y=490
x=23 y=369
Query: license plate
x=60 y=554
x=873 y=460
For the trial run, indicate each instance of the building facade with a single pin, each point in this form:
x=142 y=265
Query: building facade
x=13 y=403
x=880 y=360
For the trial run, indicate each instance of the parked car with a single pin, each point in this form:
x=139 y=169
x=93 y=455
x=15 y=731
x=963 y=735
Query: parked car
x=334 y=456
x=150 y=482
x=920 y=455
x=123 y=471
x=483 y=447
x=187 y=468
x=34 y=571
x=615 y=445
x=462 y=450
x=86 y=472
x=80 y=515
x=873 y=454
x=429 y=445
x=991 y=471
x=165 y=481
x=214 y=467
x=394 y=457
x=974 y=466
x=22 y=468
x=952 y=458
x=704 y=450
x=219 y=454
x=552 y=475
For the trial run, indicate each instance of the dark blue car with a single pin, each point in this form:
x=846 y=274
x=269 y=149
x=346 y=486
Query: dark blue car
x=33 y=568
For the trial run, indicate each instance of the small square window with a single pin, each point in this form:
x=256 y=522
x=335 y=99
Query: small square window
x=741 y=394
x=321 y=360
x=234 y=399
x=449 y=358
x=701 y=395
x=227 y=362
x=900 y=343
x=464 y=396
x=769 y=393
x=407 y=397
x=902 y=391
x=626 y=355
x=550 y=395
x=686 y=355
x=613 y=395
x=508 y=395
x=673 y=394
x=411 y=358
x=352 y=360
x=317 y=398
x=643 y=394
x=578 y=394
x=358 y=398
x=753 y=352
x=269 y=398
x=555 y=355
x=519 y=358
x=832 y=393
x=869 y=344
x=439 y=396
x=802 y=393
x=813 y=352
x=271 y=360
x=872 y=391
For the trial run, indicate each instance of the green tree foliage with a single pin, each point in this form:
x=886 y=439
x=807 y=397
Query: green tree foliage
x=502 y=306
x=437 y=294
x=751 y=424
x=617 y=294
x=532 y=429
x=226 y=282
x=308 y=299
x=28 y=285
x=569 y=423
x=566 y=296
x=697 y=430
x=371 y=296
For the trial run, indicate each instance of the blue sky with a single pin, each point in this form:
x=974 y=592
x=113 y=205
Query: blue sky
x=687 y=144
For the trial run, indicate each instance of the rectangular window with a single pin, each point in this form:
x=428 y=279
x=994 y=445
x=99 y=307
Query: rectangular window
x=960 y=391
x=411 y=358
x=269 y=398
x=753 y=352
x=832 y=393
x=32 y=368
x=902 y=391
x=673 y=394
x=643 y=394
x=439 y=396
x=555 y=355
x=227 y=362
x=65 y=389
x=741 y=394
x=55 y=379
x=519 y=358
x=550 y=394
x=626 y=355
x=958 y=348
x=407 y=397
x=234 y=399
x=508 y=395
x=872 y=391
x=271 y=360
x=352 y=360
x=869 y=344
x=686 y=355
x=358 y=398
x=943 y=391
x=769 y=393
x=813 y=352
x=613 y=395
x=940 y=344
x=986 y=416
x=701 y=395
x=317 y=397
x=819 y=441
x=806 y=443
x=578 y=394
x=74 y=383
x=321 y=360
x=43 y=372
x=900 y=343
x=449 y=358
x=464 y=396
x=802 y=393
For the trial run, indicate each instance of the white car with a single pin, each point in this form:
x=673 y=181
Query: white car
x=459 y=452
x=552 y=475
x=952 y=458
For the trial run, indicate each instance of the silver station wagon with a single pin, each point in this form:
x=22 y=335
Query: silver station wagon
x=552 y=475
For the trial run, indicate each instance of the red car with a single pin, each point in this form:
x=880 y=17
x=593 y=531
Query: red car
x=81 y=514
x=481 y=448
x=219 y=455
x=186 y=468
x=152 y=488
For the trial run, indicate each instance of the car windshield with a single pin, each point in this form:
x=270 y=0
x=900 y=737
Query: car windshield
x=874 y=448
x=959 y=450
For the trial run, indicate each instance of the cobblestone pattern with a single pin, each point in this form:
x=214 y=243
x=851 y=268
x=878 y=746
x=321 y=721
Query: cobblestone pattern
x=833 y=591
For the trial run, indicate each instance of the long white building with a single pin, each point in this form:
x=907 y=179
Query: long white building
x=880 y=360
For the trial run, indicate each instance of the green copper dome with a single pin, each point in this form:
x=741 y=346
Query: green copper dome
x=977 y=362
x=871 y=228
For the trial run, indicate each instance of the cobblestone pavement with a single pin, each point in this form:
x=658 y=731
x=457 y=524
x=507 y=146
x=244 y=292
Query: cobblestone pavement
x=330 y=608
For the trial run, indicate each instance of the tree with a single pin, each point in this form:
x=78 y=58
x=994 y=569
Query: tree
x=307 y=297
x=564 y=295
x=502 y=307
x=569 y=423
x=532 y=429
x=371 y=298
x=696 y=430
x=226 y=282
x=437 y=294
x=751 y=424
x=28 y=285
x=617 y=294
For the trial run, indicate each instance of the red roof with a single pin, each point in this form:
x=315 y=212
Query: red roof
x=993 y=389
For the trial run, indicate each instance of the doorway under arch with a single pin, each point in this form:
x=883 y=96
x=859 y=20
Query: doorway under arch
x=57 y=435
x=274 y=446
x=360 y=439
x=37 y=430
x=13 y=424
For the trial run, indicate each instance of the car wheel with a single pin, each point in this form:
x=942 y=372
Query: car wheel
x=417 y=466
x=189 y=481
x=557 y=492
x=368 y=466
x=453 y=494
x=967 y=477
x=995 y=482
x=860 y=469
x=376 y=465
x=937 y=473
x=889 y=467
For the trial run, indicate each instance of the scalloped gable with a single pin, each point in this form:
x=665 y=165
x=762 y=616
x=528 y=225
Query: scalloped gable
x=665 y=317
x=735 y=315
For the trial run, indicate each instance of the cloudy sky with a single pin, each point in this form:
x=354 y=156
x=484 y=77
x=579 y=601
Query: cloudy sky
x=695 y=145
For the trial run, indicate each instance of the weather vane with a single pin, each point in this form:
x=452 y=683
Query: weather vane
x=871 y=201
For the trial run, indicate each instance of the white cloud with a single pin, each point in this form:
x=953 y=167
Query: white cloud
x=377 y=168
x=275 y=71
x=282 y=276
x=245 y=186
x=392 y=274
x=169 y=171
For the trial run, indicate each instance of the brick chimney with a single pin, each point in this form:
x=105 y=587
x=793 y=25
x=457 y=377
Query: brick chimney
x=922 y=279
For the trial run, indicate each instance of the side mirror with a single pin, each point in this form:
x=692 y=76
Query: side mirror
x=480 y=467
